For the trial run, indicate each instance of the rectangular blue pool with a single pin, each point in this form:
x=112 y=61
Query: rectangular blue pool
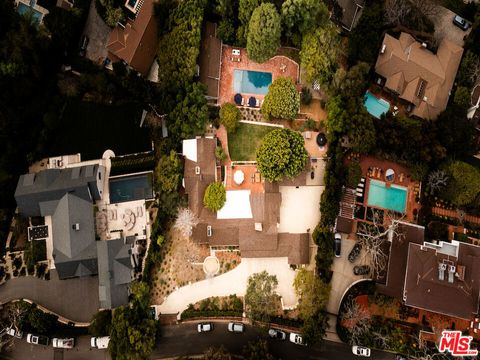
x=129 y=188
x=25 y=9
x=375 y=106
x=251 y=82
x=392 y=198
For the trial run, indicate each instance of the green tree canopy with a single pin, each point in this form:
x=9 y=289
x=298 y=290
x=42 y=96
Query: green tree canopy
x=281 y=154
x=464 y=183
x=257 y=350
x=264 y=31
x=245 y=11
x=190 y=115
x=353 y=82
x=319 y=54
x=462 y=97
x=230 y=116
x=313 y=293
x=468 y=72
x=215 y=196
x=168 y=173
x=300 y=16
x=101 y=323
x=260 y=297
x=282 y=100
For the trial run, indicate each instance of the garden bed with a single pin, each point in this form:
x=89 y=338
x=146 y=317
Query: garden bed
x=228 y=306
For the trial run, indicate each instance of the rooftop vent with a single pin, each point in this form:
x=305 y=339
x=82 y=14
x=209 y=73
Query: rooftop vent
x=441 y=271
x=209 y=230
x=76 y=226
x=384 y=47
x=197 y=170
x=424 y=45
x=451 y=273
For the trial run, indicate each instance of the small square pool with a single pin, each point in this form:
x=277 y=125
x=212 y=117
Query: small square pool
x=391 y=198
x=129 y=188
x=25 y=9
x=375 y=106
x=251 y=82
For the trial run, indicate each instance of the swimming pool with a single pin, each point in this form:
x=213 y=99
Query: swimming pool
x=251 y=82
x=375 y=106
x=25 y=9
x=392 y=198
x=128 y=188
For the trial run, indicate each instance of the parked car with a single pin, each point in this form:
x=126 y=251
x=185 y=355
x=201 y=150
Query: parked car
x=100 y=342
x=361 y=351
x=236 y=327
x=204 y=327
x=296 y=339
x=337 y=245
x=461 y=23
x=361 y=270
x=37 y=339
x=357 y=248
x=277 y=334
x=83 y=45
x=63 y=343
x=15 y=333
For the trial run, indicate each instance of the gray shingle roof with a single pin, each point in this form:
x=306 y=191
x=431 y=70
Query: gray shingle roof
x=52 y=184
x=115 y=272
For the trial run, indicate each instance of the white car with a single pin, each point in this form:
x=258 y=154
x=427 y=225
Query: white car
x=100 y=342
x=63 y=343
x=236 y=327
x=12 y=332
x=37 y=339
x=361 y=351
x=296 y=339
x=204 y=327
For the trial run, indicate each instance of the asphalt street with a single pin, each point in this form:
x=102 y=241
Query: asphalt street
x=183 y=339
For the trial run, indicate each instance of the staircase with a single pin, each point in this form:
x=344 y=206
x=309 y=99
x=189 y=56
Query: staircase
x=347 y=204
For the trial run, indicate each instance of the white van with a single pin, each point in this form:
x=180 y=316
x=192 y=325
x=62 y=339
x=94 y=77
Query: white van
x=100 y=342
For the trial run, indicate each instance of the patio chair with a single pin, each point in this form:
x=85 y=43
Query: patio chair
x=243 y=101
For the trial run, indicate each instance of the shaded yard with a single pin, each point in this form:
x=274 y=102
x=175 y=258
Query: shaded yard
x=244 y=142
x=89 y=128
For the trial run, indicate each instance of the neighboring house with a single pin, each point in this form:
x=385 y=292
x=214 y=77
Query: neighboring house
x=210 y=60
x=351 y=12
x=441 y=277
x=68 y=199
x=31 y=8
x=135 y=42
x=421 y=79
x=248 y=220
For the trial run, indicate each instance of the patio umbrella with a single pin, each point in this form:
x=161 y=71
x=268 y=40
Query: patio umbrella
x=389 y=174
x=252 y=102
x=321 y=139
x=238 y=99
x=238 y=177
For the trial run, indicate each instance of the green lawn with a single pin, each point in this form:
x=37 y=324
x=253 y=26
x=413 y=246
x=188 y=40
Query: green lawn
x=244 y=142
x=90 y=129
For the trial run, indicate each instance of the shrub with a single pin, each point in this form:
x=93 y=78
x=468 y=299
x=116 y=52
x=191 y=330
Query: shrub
x=354 y=173
x=215 y=196
x=282 y=100
x=230 y=116
x=220 y=154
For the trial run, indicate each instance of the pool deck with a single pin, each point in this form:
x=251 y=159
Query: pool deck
x=375 y=165
x=278 y=66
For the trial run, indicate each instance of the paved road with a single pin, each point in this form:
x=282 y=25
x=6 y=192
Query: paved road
x=183 y=339
x=76 y=299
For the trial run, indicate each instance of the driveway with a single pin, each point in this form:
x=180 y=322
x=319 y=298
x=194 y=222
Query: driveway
x=343 y=276
x=233 y=282
x=75 y=299
x=98 y=33
x=444 y=27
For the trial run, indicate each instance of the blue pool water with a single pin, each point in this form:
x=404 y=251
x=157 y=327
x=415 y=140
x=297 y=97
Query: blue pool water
x=374 y=105
x=25 y=9
x=251 y=82
x=392 y=198
x=128 y=188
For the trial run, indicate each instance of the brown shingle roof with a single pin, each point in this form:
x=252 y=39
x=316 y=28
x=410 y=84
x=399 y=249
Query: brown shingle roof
x=210 y=58
x=424 y=289
x=136 y=44
x=418 y=65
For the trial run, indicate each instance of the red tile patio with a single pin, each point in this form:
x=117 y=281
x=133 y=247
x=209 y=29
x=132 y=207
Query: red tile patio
x=279 y=66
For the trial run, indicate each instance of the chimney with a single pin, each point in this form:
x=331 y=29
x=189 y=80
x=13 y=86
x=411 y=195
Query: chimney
x=76 y=226
x=424 y=45
x=441 y=271
x=451 y=273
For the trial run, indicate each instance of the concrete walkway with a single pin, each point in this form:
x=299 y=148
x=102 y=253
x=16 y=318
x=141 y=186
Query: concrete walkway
x=233 y=282
x=74 y=299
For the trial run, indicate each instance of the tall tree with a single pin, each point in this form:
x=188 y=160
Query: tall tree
x=320 y=51
x=260 y=297
x=353 y=82
x=282 y=100
x=300 y=16
x=245 y=11
x=463 y=184
x=264 y=31
x=281 y=154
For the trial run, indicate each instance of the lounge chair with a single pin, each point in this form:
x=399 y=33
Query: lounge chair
x=257 y=103
x=243 y=101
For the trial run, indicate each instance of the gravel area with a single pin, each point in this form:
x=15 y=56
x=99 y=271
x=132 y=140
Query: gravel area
x=98 y=33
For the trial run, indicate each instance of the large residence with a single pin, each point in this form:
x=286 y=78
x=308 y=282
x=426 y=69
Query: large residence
x=439 y=276
x=76 y=207
x=417 y=76
x=251 y=219
x=135 y=42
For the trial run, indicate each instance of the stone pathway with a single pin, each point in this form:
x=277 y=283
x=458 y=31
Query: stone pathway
x=454 y=215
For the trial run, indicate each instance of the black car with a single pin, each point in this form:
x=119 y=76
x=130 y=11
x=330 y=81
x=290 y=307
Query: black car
x=355 y=252
x=361 y=270
x=337 y=245
x=461 y=23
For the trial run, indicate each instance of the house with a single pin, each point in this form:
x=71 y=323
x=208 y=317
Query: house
x=441 y=277
x=210 y=60
x=351 y=12
x=248 y=221
x=417 y=76
x=135 y=42
x=68 y=199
